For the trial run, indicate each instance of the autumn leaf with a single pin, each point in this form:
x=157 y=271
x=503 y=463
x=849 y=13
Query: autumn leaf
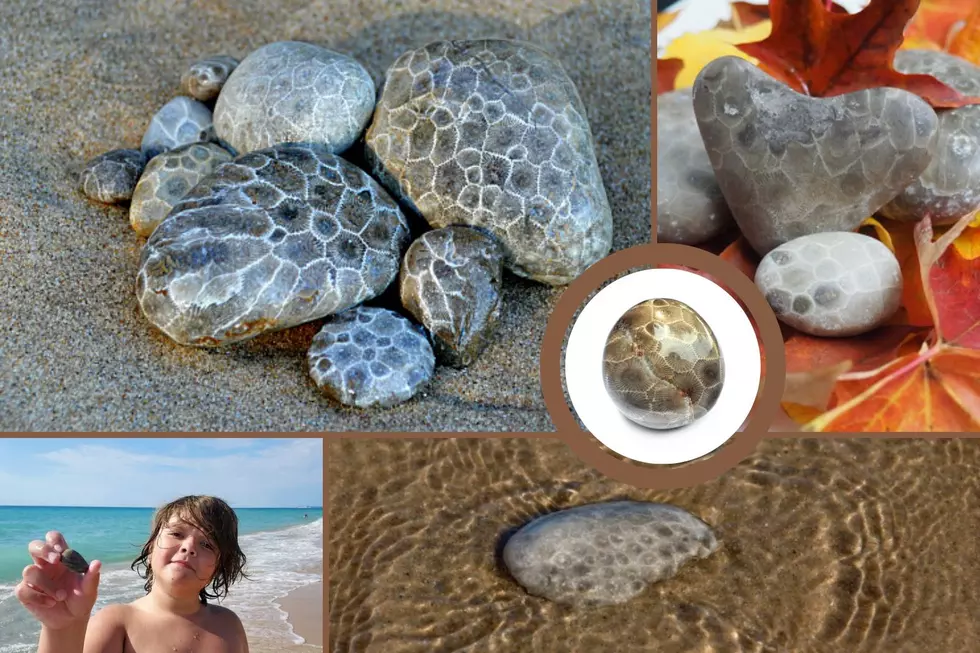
x=966 y=43
x=667 y=70
x=933 y=23
x=746 y=14
x=698 y=49
x=824 y=53
x=951 y=282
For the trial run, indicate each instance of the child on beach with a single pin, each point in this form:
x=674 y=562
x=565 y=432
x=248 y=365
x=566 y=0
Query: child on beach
x=193 y=544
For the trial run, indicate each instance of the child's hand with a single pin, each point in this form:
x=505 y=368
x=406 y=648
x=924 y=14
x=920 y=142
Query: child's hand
x=55 y=595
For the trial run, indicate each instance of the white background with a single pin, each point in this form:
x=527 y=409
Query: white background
x=739 y=349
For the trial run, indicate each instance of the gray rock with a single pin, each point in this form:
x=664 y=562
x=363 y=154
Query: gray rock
x=111 y=177
x=950 y=187
x=450 y=282
x=493 y=134
x=690 y=206
x=181 y=121
x=791 y=165
x=270 y=240
x=204 y=79
x=831 y=284
x=167 y=178
x=370 y=357
x=291 y=91
x=605 y=553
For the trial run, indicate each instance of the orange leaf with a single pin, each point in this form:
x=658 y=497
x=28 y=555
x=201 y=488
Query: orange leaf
x=824 y=53
x=935 y=391
x=866 y=351
x=968 y=243
x=934 y=21
x=952 y=283
x=902 y=238
x=667 y=71
x=966 y=43
x=742 y=256
x=745 y=14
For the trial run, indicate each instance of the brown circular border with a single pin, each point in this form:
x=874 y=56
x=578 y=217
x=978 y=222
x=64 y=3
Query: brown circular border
x=733 y=450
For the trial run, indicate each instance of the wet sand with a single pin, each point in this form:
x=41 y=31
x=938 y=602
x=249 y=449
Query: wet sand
x=79 y=78
x=305 y=609
x=827 y=546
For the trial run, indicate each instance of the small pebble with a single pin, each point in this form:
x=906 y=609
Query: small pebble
x=368 y=357
x=74 y=561
x=294 y=92
x=691 y=208
x=450 y=282
x=179 y=122
x=205 y=77
x=832 y=284
x=662 y=366
x=167 y=179
x=605 y=553
x=791 y=165
x=111 y=178
x=492 y=134
x=950 y=187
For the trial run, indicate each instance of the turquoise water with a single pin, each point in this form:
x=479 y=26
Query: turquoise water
x=112 y=535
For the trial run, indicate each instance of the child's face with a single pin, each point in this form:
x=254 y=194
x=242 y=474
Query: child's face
x=183 y=557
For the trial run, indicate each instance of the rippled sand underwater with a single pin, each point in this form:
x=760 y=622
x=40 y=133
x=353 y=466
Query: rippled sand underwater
x=828 y=546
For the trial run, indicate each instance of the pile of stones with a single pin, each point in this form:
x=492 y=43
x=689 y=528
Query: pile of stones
x=476 y=158
x=798 y=175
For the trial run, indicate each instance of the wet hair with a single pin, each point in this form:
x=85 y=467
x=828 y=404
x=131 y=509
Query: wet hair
x=219 y=523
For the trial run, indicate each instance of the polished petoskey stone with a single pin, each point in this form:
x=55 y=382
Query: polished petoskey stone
x=111 y=177
x=369 y=356
x=450 y=282
x=662 y=365
x=167 y=178
x=181 y=121
x=291 y=91
x=493 y=134
x=605 y=553
x=272 y=239
x=204 y=78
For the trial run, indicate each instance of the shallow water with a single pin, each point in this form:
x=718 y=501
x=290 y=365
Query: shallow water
x=827 y=546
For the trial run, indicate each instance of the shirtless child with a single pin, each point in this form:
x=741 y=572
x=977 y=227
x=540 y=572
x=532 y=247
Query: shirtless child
x=193 y=544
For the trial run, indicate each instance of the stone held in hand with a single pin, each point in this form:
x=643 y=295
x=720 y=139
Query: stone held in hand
x=181 y=121
x=950 y=187
x=662 y=365
x=204 y=79
x=832 y=284
x=270 y=240
x=451 y=282
x=691 y=208
x=605 y=553
x=168 y=177
x=493 y=134
x=112 y=177
x=790 y=165
x=370 y=357
x=74 y=561
x=290 y=91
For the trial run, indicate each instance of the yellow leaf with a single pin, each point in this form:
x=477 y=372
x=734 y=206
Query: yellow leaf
x=967 y=244
x=883 y=235
x=701 y=48
x=801 y=414
x=665 y=19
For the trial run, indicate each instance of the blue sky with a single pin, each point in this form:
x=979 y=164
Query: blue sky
x=248 y=472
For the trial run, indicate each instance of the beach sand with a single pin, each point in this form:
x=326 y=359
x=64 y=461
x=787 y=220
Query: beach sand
x=864 y=546
x=305 y=609
x=79 y=78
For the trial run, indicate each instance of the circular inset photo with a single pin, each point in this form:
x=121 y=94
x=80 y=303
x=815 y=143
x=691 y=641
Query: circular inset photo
x=663 y=366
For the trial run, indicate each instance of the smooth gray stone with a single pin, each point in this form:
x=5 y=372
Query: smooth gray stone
x=950 y=187
x=291 y=91
x=791 y=165
x=181 y=121
x=831 y=284
x=111 y=177
x=168 y=177
x=270 y=240
x=204 y=79
x=493 y=134
x=451 y=283
x=370 y=357
x=691 y=208
x=605 y=553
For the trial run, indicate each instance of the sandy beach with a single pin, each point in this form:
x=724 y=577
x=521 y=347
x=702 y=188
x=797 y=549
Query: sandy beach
x=864 y=546
x=78 y=79
x=305 y=609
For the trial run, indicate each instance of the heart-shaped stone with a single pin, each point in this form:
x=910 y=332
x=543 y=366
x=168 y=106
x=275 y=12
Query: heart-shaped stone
x=791 y=165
